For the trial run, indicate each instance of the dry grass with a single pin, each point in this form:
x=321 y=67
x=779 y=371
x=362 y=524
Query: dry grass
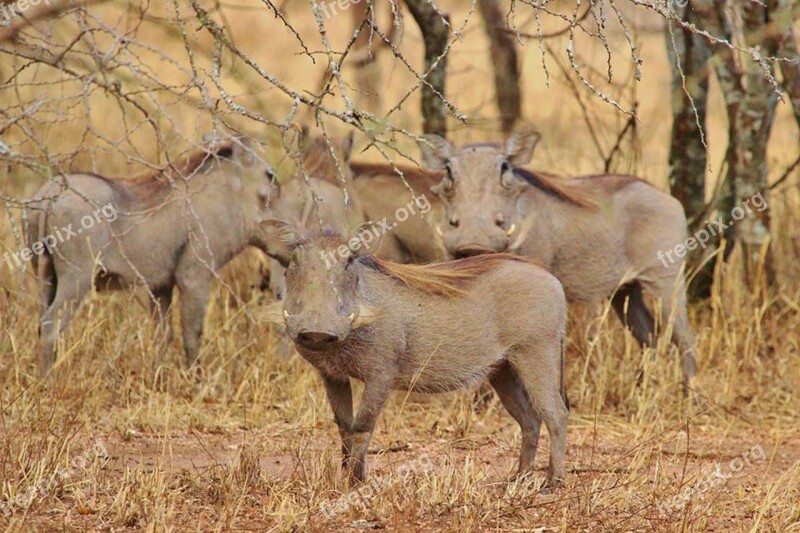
x=250 y=444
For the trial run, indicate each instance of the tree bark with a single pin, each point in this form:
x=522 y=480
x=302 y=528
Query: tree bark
x=751 y=102
x=688 y=159
x=365 y=52
x=504 y=62
x=782 y=14
x=687 y=155
x=435 y=29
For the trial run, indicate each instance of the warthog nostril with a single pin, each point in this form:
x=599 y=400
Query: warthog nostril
x=316 y=339
x=454 y=221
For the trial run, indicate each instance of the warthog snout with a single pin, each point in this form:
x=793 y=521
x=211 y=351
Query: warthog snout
x=316 y=340
x=470 y=250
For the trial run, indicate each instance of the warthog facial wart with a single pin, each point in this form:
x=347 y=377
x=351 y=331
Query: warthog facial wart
x=712 y=229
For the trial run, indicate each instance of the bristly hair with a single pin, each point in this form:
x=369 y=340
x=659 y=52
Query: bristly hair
x=449 y=279
x=425 y=178
x=561 y=189
x=148 y=183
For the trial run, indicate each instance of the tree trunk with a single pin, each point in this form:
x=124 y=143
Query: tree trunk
x=435 y=29
x=751 y=103
x=689 y=55
x=687 y=154
x=782 y=14
x=368 y=72
x=504 y=62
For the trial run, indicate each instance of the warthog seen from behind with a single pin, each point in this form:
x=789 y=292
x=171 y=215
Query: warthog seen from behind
x=433 y=328
x=177 y=226
x=599 y=235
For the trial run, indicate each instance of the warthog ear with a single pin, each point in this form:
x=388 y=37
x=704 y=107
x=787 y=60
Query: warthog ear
x=280 y=238
x=435 y=151
x=370 y=236
x=519 y=147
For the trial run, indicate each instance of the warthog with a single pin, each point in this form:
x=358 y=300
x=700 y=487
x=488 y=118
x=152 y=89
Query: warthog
x=375 y=193
x=177 y=226
x=380 y=194
x=432 y=328
x=599 y=235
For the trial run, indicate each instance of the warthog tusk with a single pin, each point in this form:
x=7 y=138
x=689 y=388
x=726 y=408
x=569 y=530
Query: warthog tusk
x=527 y=224
x=511 y=230
x=366 y=315
x=285 y=313
x=439 y=231
x=352 y=317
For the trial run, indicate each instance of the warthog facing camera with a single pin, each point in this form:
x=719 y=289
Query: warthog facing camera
x=432 y=328
x=599 y=235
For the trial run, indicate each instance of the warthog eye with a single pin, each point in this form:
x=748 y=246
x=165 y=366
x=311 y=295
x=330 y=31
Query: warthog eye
x=506 y=177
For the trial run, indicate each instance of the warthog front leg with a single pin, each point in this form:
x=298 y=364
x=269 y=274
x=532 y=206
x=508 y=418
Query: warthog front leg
x=193 y=313
x=375 y=393
x=340 y=397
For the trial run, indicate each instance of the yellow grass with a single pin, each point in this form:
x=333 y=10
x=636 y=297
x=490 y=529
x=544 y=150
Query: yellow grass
x=250 y=444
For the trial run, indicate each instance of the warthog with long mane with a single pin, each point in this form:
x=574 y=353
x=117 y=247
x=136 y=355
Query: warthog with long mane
x=427 y=328
x=176 y=226
x=599 y=235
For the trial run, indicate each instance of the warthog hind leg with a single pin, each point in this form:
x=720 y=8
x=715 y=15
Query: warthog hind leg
x=69 y=295
x=670 y=293
x=631 y=309
x=512 y=394
x=538 y=367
